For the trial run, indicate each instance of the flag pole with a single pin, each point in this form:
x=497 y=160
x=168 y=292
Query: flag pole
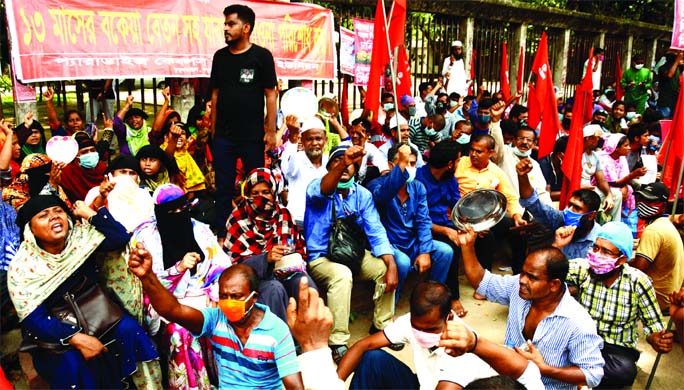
x=392 y=72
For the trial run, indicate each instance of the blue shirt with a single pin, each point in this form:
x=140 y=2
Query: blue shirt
x=442 y=196
x=567 y=337
x=318 y=219
x=553 y=219
x=408 y=224
x=267 y=357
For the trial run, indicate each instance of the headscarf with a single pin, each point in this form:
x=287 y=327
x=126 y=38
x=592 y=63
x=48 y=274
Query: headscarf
x=124 y=162
x=32 y=179
x=168 y=170
x=35 y=274
x=258 y=223
x=619 y=235
x=175 y=228
x=136 y=139
x=23 y=133
x=9 y=235
x=194 y=178
x=612 y=142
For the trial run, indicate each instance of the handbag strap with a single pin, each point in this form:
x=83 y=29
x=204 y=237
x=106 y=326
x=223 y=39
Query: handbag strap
x=334 y=214
x=71 y=299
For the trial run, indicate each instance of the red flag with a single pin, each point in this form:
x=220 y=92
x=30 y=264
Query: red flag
x=396 y=20
x=542 y=100
x=403 y=73
x=344 y=106
x=581 y=114
x=673 y=146
x=521 y=72
x=505 y=82
x=619 y=93
x=472 y=73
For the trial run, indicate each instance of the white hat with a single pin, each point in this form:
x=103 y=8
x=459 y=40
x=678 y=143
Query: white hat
x=592 y=130
x=457 y=44
x=312 y=123
x=355 y=114
x=393 y=122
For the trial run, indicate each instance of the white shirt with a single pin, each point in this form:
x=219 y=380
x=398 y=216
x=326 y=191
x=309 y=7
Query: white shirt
x=595 y=74
x=537 y=180
x=299 y=172
x=319 y=371
x=457 y=76
x=384 y=149
x=374 y=157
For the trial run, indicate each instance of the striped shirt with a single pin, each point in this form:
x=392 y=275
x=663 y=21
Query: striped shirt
x=421 y=136
x=565 y=338
x=268 y=356
x=617 y=309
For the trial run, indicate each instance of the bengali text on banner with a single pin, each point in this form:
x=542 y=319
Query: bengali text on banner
x=79 y=39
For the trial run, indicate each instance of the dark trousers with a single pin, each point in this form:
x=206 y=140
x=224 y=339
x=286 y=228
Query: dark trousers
x=500 y=234
x=226 y=153
x=620 y=369
x=380 y=370
x=275 y=293
x=452 y=275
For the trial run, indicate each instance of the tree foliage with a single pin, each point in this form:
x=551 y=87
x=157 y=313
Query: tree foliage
x=649 y=11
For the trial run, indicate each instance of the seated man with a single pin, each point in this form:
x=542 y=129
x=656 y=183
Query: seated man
x=551 y=167
x=660 y=253
x=374 y=162
x=477 y=171
x=431 y=325
x=524 y=141
x=267 y=360
x=545 y=324
x=591 y=168
x=403 y=208
x=618 y=296
x=350 y=199
x=577 y=220
x=399 y=129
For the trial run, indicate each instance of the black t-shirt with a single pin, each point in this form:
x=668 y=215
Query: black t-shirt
x=241 y=80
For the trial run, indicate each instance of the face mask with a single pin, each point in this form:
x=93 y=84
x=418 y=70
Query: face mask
x=425 y=339
x=412 y=173
x=345 y=185
x=484 y=119
x=89 y=160
x=520 y=153
x=452 y=103
x=388 y=106
x=571 y=218
x=638 y=66
x=463 y=139
x=234 y=309
x=602 y=58
x=630 y=115
x=412 y=111
x=126 y=181
x=646 y=211
x=600 y=264
x=261 y=205
x=430 y=132
x=566 y=123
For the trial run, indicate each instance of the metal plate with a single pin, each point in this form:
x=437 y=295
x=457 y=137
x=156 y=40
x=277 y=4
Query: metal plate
x=482 y=209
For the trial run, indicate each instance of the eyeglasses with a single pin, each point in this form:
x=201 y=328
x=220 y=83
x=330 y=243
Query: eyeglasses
x=605 y=251
x=530 y=140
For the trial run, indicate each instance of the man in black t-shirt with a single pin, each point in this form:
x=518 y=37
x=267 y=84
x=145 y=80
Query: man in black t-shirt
x=242 y=73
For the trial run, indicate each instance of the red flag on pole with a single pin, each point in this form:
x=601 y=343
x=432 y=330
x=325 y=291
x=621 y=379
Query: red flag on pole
x=505 y=82
x=344 y=106
x=472 y=73
x=541 y=100
x=396 y=21
x=581 y=114
x=619 y=93
x=673 y=149
x=521 y=72
x=403 y=73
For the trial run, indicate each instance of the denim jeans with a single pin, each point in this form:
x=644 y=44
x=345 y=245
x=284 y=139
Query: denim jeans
x=440 y=258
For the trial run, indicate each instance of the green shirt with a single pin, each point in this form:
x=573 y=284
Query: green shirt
x=637 y=94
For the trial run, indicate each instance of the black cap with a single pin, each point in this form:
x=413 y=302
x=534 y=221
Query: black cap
x=135 y=111
x=656 y=191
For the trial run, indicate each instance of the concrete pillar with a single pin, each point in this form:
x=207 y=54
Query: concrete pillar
x=519 y=40
x=627 y=53
x=561 y=53
x=467 y=33
x=651 y=56
x=600 y=41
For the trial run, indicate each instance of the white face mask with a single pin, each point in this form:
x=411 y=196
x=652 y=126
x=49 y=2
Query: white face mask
x=638 y=66
x=520 y=153
x=412 y=173
x=463 y=139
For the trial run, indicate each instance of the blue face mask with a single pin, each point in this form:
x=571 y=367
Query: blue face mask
x=89 y=160
x=388 y=106
x=485 y=119
x=571 y=218
x=463 y=139
x=520 y=153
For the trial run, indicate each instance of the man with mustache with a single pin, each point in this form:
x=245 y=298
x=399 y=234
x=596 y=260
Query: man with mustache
x=242 y=75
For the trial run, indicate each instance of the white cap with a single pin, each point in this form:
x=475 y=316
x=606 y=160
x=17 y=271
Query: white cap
x=457 y=44
x=355 y=114
x=592 y=130
x=312 y=123
x=393 y=122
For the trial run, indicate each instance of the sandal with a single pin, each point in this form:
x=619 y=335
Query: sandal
x=338 y=352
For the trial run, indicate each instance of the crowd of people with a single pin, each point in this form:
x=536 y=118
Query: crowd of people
x=194 y=255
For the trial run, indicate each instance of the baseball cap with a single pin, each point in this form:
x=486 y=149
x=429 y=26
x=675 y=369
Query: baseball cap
x=592 y=130
x=656 y=191
x=336 y=152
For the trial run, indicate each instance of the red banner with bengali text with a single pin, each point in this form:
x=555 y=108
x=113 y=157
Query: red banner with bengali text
x=79 y=39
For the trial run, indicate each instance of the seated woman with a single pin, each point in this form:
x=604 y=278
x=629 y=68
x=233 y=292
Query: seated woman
x=73 y=119
x=157 y=168
x=616 y=121
x=56 y=259
x=176 y=145
x=613 y=160
x=260 y=233
x=188 y=261
x=31 y=136
x=38 y=175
